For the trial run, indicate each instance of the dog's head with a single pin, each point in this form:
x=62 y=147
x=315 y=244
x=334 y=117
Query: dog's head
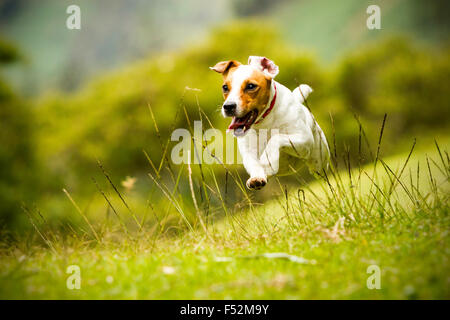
x=246 y=90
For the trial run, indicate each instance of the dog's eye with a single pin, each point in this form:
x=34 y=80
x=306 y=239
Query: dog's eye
x=225 y=88
x=250 y=86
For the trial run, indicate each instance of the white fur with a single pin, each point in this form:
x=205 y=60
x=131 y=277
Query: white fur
x=271 y=69
x=289 y=124
x=242 y=73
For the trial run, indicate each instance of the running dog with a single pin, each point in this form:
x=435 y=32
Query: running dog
x=268 y=118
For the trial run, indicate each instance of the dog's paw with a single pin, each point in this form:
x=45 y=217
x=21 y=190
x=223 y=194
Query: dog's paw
x=256 y=183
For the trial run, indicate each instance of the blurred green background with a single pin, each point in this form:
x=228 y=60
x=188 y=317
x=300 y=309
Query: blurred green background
x=71 y=97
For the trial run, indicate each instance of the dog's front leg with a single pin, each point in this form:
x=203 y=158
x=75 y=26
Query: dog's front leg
x=249 y=152
x=270 y=158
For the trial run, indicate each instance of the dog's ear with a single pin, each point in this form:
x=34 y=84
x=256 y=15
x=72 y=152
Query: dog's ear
x=265 y=65
x=223 y=66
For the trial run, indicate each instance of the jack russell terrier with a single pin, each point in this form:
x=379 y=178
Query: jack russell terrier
x=268 y=117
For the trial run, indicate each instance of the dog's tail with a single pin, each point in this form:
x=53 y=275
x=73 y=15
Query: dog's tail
x=302 y=92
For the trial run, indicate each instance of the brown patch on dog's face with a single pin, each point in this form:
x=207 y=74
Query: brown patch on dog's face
x=227 y=79
x=224 y=66
x=246 y=90
x=255 y=92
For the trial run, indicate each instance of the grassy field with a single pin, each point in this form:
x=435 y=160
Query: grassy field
x=316 y=242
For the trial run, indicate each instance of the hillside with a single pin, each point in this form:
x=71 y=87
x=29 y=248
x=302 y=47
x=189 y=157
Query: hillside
x=291 y=248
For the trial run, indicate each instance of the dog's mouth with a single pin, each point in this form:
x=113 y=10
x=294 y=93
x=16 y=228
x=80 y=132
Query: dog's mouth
x=241 y=125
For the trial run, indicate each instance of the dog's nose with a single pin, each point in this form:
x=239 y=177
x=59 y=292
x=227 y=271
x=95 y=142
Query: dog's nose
x=229 y=107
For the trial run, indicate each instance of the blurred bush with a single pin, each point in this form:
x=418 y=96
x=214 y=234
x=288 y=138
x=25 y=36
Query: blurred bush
x=18 y=176
x=110 y=120
x=399 y=79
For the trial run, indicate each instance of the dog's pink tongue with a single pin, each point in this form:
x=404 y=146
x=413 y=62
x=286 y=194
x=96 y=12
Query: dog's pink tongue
x=235 y=123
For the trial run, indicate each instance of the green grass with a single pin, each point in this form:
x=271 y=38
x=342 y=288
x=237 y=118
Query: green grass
x=396 y=218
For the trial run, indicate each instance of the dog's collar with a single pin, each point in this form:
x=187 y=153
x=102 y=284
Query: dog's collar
x=272 y=103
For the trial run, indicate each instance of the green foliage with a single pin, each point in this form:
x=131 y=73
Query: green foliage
x=17 y=158
x=109 y=119
x=397 y=79
x=8 y=52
